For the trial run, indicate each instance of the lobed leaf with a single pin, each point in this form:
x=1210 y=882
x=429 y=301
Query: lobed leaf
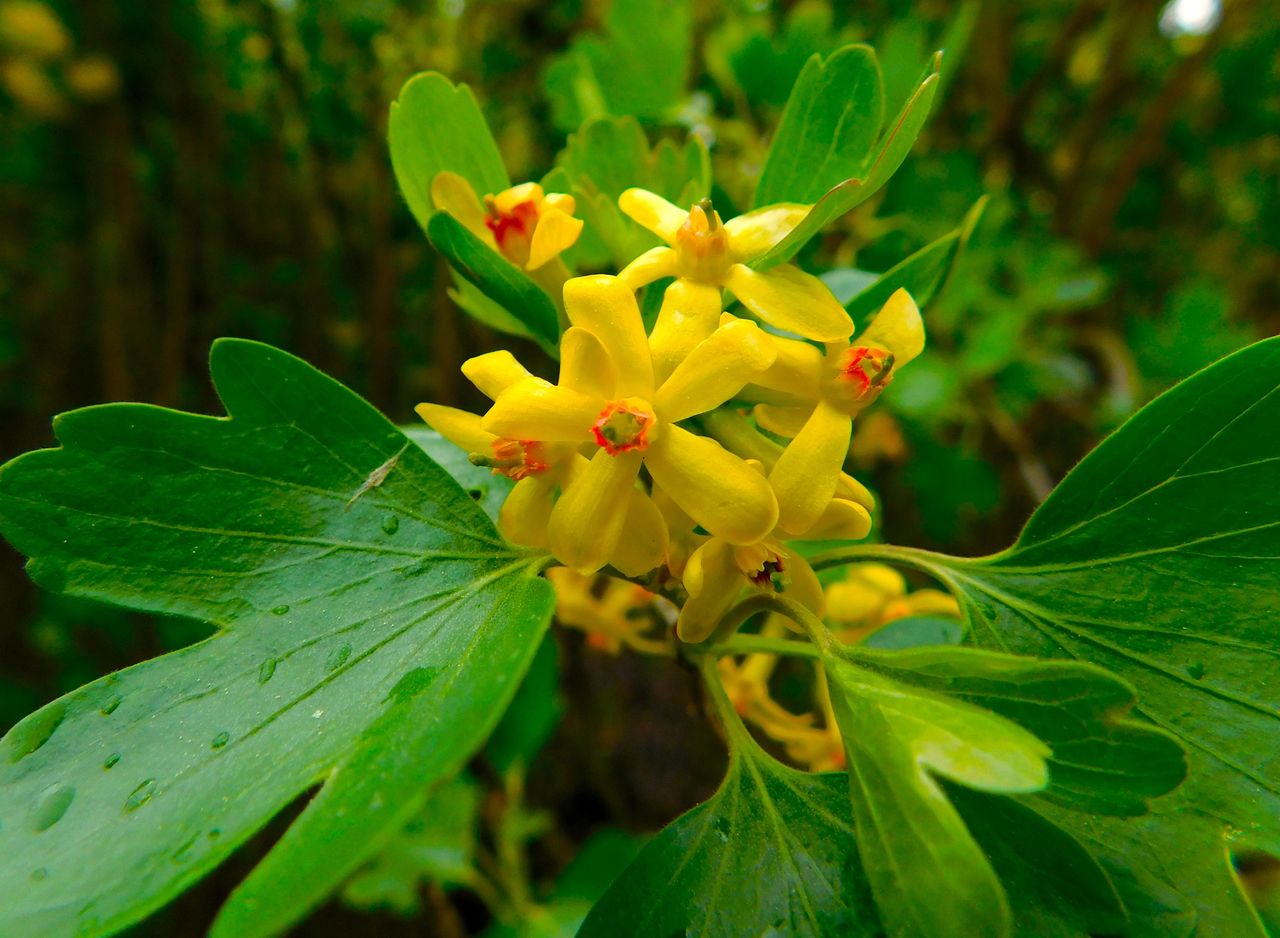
x=436 y=125
x=852 y=192
x=373 y=627
x=828 y=130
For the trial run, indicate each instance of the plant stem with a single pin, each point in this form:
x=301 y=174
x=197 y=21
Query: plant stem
x=753 y=644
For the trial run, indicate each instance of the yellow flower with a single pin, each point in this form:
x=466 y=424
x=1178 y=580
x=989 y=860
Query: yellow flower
x=706 y=256
x=873 y=594
x=613 y=613
x=814 y=398
x=527 y=226
x=609 y=403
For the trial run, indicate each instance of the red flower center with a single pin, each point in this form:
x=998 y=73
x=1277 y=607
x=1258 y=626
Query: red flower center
x=621 y=428
x=514 y=230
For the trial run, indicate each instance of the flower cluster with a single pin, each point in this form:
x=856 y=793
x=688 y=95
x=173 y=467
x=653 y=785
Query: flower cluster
x=696 y=453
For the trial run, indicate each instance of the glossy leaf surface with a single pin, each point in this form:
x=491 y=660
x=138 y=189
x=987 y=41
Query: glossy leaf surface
x=373 y=625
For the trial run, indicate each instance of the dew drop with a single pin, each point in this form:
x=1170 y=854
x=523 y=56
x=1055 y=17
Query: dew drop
x=391 y=525
x=111 y=706
x=221 y=740
x=34 y=731
x=280 y=611
x=52 y=805
x=1196 y=670
x=140 y=795
x=338 y=657
x=215 y=833
x=266 y=670
x=39 y=874
x=111 y=761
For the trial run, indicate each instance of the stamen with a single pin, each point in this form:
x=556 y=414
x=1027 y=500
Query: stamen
x=868 y=368
x=622 y=428
x=515 y=459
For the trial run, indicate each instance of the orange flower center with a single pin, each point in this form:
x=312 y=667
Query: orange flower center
x=856 y=376
x=702 y=245
x=513 y=230
x=515 y=459
x=622 y=428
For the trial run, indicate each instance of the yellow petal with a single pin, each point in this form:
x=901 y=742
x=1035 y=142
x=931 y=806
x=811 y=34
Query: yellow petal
x=841 y=520
x=897 y=327
x=507 y=200
x=588 y=520
x=644 y=542
x=803 y=585
x=653 y=264
x=752 y=234
x=862 y=595
x=555 y=232
x=453 y=194
x=790 y=299
x=460 y=428
x=848 y=487
x=715 y=488
x=494 y=372
x=714 y=371
x=652 y=211
x=714 y=583
x=933 y=602
x=560 y=202
x=536 y=410
x=525 y=512
x=688 y=315
x=806 y=473
x=607 y=307
x=585 y=366
x=784 y=421
x=796 y=369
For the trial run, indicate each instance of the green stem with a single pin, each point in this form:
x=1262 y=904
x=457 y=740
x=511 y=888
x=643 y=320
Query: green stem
x=769 y=602
x=753 y=644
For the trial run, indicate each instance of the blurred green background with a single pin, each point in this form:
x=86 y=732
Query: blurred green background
x=176 y=170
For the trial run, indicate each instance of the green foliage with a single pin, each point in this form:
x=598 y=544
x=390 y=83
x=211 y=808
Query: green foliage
x=843 y=195
x=638 y=67
x=496 y=277
x=772 y=850
x=437 y=126
x=355 y=585
x=606 y=157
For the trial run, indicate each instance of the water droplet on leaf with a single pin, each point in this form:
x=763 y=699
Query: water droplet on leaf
x=140 y=795
x=280 y=610
x=338 y=657
x=266 y=670
x=391 y=525
x=52 y=805
x=34 y=731
x=111 y=760
x=38 y=874
x=221 y=739
x=111 y=706
x=1196 y=670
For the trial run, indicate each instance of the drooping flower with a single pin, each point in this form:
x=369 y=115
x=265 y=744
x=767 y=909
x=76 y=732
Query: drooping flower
x=608 y=402
x=613 y=613
x=706 y=256
x=527 y=226
x=813 y=398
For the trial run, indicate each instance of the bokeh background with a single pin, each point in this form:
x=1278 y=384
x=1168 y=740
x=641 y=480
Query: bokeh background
x=172 y=171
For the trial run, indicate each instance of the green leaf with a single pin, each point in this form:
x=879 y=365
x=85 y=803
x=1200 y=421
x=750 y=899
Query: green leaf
x=434 y=126
x=475 y=303
x=922 y=274
x=771 y=852
x=1055 y=887
x=373 y=625
x=828 y=130
x=1101 y=760
x=1157 y=558
x=496 y=277
x=533 y=714
x=929 y=876
x=849 y=194
x=638 y=67
x=914 y=631
x=437 y=845
x=607 y=157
